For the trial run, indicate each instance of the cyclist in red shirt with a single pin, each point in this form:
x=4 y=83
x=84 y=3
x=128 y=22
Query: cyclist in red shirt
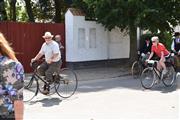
x=160 y=50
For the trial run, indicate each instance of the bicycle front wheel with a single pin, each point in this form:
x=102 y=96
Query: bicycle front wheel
x=67 y=84
x=136 y=69
x=28 y=82
x=148 y=78
x=30 y=89
x=169 y=77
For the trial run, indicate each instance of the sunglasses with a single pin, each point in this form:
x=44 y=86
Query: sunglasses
x=47 y=38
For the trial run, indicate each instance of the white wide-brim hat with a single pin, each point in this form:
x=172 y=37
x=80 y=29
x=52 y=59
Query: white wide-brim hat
x=47 y=34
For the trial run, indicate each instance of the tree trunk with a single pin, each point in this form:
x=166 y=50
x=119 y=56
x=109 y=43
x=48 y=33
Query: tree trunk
x=3 y=11
x=58 y=6
x=29 y=10
x=133 y=43
x=13 y=10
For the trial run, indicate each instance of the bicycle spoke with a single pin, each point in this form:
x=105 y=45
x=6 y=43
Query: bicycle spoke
x=67 y=83
x=147 y=78
x=169 y=77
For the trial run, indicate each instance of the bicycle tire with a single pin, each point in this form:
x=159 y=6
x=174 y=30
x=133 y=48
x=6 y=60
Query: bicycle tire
x=67 y=84
x=27 y=82
x=148 y=78
x=31 y=91
x=136 y=69
x=170 y=77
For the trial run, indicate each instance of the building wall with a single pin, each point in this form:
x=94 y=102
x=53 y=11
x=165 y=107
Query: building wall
x=90 y=41
x=119 y=44
x=69 y=36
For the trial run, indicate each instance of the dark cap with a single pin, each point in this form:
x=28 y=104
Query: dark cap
x=176 y=34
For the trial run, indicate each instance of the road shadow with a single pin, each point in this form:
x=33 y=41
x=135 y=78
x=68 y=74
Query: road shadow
x=126 y=82
x=110 y=83
x=47 y=102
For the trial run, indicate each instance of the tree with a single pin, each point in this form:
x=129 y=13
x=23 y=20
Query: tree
x=58 y=6
x=29 y=10
x=3 y=14
x=159 y=15
x=12 y=10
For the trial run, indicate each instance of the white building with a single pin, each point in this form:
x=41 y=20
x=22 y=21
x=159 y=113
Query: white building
x=89 y=41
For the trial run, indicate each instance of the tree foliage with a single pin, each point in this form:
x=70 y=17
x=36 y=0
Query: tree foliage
x=147 y=14
x=34 y=10
x=159 y=15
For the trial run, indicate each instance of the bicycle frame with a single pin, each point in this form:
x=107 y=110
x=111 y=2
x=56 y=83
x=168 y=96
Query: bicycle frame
x=158 y=72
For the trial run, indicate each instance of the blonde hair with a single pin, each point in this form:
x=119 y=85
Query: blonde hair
x=5 y=48
x=155 y=38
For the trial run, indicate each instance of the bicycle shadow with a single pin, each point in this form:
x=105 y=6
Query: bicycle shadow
x=164 y=89
x=47 y=102
x=123 y=82
x=109 y=83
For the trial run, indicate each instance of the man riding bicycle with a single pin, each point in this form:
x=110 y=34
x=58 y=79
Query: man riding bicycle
x=52 y=63
x=160 y=50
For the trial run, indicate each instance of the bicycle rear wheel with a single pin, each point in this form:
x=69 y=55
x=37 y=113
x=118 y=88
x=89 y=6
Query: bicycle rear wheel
x=169 y=77
x=67 y=83
x=148 y=78
x=52 y=89
x=136 y=69
x=31 y=90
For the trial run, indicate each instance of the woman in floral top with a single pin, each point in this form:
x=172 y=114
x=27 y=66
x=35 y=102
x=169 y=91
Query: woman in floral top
x=11 y=83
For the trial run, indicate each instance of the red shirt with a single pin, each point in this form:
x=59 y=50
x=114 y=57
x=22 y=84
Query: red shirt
x=160 y=47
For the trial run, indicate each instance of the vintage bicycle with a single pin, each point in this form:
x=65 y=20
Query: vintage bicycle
x=138 y=65
x=151 y=75
x=64 y=84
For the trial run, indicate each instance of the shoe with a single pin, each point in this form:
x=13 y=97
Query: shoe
x=45 y=90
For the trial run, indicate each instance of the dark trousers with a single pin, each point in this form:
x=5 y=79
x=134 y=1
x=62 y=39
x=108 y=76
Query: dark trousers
x=48 y=70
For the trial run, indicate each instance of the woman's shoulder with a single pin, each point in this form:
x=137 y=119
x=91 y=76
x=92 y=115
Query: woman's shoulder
x=9 y=63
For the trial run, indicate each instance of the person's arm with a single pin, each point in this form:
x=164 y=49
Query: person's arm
x=19 y=109
x=151 y=55
x=61 y=46
x=18 y=98
x=162 y=56
x=38 y=56
x=172 y=46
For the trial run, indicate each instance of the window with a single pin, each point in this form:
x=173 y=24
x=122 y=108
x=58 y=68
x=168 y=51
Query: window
x=92 y=38
x=81 y=38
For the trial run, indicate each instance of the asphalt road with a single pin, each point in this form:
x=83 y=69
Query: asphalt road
x=114 y=98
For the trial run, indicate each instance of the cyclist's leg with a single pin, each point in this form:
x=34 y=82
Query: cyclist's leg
x=42 y=68
x=52 y=68
x=162 y=64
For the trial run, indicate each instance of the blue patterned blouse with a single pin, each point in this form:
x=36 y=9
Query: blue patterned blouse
x=11 y=84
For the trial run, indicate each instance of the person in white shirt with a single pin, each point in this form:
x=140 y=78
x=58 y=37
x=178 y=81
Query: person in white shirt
x=52 y=63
